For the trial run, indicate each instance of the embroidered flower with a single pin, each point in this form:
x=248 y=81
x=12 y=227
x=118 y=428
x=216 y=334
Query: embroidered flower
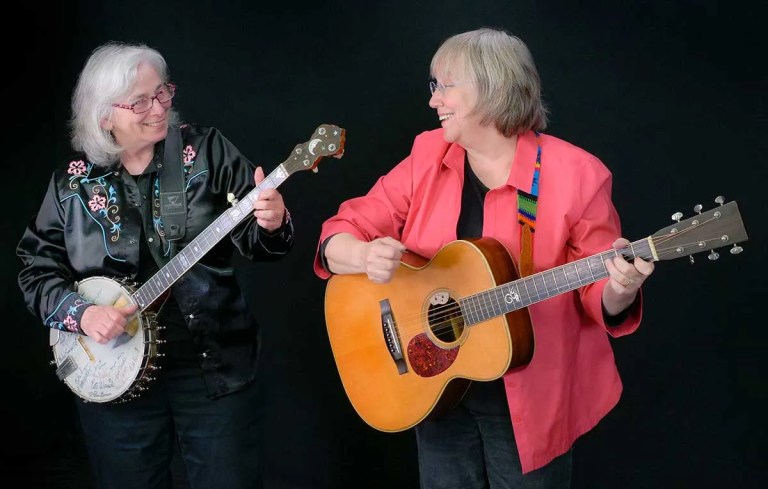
x=97 y=202
x=76 y=168
x=189 y=155
x=71 y=324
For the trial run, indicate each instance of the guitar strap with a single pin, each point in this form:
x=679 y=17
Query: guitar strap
x=526 y=215
x=173 y=198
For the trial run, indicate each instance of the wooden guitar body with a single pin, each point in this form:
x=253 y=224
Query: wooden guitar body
x=422 y=362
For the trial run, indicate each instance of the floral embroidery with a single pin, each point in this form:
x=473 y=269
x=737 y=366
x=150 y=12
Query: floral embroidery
x=71 y=324
x=189 y=155
x=77 y=168
x=104 y=199
x=157 y=219
x=97 y=202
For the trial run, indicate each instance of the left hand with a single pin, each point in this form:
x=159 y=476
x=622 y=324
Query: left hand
x=625 y=280
x=269 y=209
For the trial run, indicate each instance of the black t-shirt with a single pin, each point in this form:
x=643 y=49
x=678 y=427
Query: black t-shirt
x=470 y=223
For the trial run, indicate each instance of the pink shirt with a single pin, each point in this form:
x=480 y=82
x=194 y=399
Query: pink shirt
x=572 y=380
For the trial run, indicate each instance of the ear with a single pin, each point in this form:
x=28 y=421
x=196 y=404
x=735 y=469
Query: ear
x=106 y=124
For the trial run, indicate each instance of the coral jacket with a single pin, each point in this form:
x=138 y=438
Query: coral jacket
x=572 y=381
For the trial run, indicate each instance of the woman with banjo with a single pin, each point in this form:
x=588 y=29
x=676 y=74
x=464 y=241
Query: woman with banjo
x=110 y=221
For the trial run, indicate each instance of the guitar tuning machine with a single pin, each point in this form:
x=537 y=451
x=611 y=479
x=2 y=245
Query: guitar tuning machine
x=713 y=255
x=736 y=249
x=231 y=198
x=720 y=199
x=697 y=208
x=676 y=217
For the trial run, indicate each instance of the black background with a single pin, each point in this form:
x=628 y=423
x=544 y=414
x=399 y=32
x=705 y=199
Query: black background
x=670 y=95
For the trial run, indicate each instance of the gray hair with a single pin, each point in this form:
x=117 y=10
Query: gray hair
x=108 y=75
x=502 y=69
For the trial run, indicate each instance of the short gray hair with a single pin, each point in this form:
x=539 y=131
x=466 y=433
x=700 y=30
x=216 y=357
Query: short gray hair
x=108 y=75
x=501 y=67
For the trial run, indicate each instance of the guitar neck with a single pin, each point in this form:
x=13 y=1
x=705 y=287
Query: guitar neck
x=161 y=281
x=544 y=285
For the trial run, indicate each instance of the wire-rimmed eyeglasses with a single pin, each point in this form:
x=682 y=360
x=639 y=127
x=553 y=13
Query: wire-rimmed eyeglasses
x=164 y=94
x=435 y=85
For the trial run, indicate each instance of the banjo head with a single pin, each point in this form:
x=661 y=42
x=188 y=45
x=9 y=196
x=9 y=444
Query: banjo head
x=111 y=371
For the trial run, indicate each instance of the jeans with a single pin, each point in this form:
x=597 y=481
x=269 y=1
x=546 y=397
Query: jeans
x=130 y=445
x=473 y=447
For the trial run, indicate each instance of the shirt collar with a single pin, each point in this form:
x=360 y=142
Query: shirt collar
x=523 y=165
x=156 y=165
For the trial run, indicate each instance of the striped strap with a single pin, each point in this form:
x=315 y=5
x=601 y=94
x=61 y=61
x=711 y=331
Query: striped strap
x=526 y=215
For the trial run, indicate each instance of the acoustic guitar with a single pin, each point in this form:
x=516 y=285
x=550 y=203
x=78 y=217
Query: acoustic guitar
x=409 y=349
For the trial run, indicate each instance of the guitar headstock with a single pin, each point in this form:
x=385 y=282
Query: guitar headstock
x=708 y=230
x=327 y=140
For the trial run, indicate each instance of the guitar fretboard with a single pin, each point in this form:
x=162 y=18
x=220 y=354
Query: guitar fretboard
x=161 y=281
x=535 y=288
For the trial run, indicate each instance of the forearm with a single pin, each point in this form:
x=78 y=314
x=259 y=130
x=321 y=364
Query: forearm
x=344 y=254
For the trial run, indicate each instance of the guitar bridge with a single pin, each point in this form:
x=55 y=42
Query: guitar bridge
x=389 y=329
x=66 y=368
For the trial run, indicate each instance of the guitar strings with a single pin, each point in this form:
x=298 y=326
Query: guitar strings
x=444 y=317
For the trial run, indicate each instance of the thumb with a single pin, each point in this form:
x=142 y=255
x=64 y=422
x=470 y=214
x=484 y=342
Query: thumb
x=258 y=175
x=128 y=310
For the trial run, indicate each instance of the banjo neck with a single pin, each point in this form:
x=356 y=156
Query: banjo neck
x=327 y=140
x=177 y=266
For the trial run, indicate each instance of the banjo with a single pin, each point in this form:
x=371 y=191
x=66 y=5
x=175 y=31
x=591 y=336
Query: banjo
x=122 y=368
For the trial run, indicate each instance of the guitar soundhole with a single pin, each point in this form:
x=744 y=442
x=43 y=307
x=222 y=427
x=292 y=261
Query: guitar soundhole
x=445 y=318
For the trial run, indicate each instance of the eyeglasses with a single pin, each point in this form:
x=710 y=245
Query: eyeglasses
x=164 y=94
x=436 y=85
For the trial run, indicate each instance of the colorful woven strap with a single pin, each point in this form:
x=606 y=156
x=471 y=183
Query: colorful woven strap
x=526 y=215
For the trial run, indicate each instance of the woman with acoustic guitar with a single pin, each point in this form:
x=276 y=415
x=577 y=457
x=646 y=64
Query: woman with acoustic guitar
x=488 y=172
x=143 y=201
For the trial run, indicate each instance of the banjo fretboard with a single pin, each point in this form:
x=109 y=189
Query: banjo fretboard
x=327 y=140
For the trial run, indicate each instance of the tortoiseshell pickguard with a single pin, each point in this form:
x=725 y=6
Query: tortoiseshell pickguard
x=428 y=359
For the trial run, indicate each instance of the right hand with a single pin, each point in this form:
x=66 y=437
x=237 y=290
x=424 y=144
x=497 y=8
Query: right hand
x=381 y=257
x=103 y=323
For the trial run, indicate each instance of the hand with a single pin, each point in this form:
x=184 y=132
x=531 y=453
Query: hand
x=103 y=323
x=269 y=209
x=625 y=280
x=381 y=257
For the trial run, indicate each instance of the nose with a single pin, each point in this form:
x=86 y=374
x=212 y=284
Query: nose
x=435 y=100
x=159 y=108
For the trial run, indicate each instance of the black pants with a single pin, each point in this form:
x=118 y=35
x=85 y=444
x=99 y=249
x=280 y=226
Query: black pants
x=473 y=447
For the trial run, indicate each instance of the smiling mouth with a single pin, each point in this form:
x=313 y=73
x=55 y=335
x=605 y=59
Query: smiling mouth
x=154 y=124
x=445 y=117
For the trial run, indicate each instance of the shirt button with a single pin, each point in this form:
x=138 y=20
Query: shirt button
x=191 y=316
x=150 y=239
x=144 y=197
x=132 y=241
x=517 y=419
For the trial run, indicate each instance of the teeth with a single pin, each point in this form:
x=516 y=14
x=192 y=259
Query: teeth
x=444 y=117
